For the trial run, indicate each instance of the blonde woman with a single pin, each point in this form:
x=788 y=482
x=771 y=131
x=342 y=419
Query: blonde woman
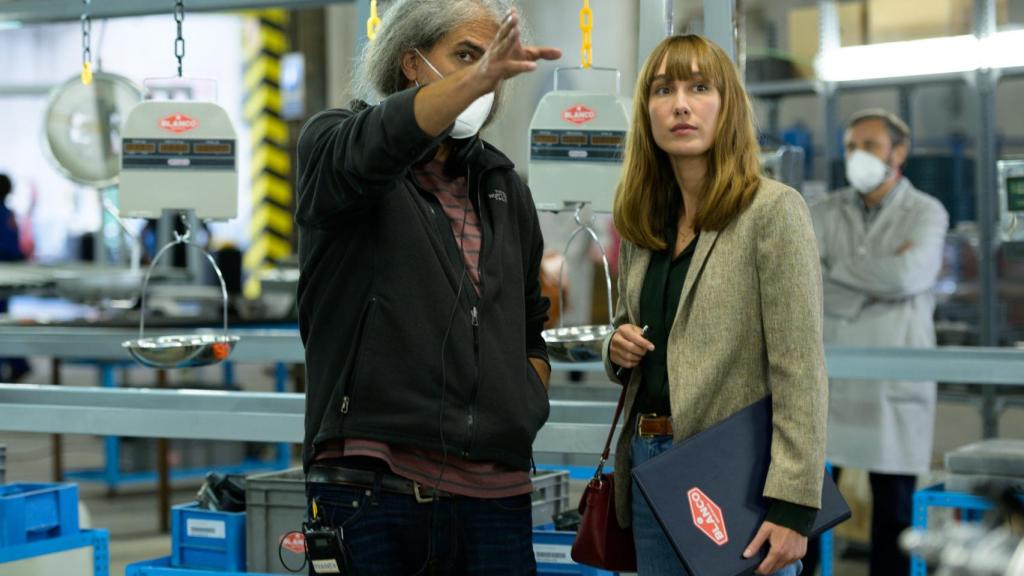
x=721 y=264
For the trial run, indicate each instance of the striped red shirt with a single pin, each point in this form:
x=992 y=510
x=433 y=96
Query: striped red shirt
x=453 y=195
x=431 y=469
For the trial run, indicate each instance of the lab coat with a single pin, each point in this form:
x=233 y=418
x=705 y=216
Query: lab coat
x=876 y=297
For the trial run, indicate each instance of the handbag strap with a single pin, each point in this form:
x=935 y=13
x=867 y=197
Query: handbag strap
x=611 y=433
x=615 y=421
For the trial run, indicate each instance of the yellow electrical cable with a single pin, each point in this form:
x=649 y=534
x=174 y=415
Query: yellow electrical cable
x=586 y=25
x=373 y=22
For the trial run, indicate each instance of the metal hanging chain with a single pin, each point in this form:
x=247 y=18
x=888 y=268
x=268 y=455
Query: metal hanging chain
x=586 y=26
x=179 y=42
x=373 y=22
x=86 y=41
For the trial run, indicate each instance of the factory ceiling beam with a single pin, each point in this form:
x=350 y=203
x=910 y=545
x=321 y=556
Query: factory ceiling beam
x=35 y=11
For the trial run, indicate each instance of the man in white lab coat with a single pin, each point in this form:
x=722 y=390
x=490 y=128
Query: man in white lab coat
x=881 y=242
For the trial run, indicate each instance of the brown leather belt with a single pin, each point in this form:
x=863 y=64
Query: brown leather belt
x=321 y=474
x=648 y=425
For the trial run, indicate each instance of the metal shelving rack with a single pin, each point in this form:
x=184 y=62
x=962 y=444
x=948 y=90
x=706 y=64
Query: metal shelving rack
x=982 y=84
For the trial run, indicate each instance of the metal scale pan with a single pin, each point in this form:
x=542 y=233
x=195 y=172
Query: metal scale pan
x=579 y=343
x=182 y=350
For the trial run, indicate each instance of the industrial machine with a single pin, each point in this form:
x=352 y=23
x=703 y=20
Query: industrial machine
x=785 y=164
x=1011 y=200
x=83 y=125
x=577 y=140
x=978 y=546
x=179 y=155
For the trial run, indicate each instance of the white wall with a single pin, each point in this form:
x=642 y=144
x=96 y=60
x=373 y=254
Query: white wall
x=138 y=48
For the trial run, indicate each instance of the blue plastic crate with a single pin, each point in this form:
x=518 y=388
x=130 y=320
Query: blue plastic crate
x=37 y=511
x=206 y=539
x=552 y=550
x=98 y=539
x=162 y=567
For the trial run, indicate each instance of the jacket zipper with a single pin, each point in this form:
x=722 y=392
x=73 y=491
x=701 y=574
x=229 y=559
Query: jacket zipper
x=474 y=315
x=350 y=385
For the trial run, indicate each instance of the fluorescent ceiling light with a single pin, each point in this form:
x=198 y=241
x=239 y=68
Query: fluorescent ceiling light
x=9 y=25
x=900 y=59
x=1003 y=49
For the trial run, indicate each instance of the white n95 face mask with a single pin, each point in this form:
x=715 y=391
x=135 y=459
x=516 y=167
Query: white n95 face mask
x=865 y=171
x=472 y=119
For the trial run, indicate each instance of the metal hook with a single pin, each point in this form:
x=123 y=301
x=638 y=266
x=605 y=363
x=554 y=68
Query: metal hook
x=182 y=239
x=565 y=254
x=578 y=216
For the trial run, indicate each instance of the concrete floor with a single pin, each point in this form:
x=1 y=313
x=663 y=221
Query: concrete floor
x=131 y=515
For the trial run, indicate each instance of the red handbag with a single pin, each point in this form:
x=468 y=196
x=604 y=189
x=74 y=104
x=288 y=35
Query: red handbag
x=600 y=541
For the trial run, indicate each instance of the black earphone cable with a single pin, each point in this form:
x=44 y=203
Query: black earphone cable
x=444 y=379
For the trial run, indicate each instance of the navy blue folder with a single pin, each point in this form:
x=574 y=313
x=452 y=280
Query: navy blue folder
x=706 y=493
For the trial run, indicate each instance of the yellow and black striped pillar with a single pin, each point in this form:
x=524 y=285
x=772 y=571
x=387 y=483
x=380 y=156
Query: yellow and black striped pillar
x=270 y=230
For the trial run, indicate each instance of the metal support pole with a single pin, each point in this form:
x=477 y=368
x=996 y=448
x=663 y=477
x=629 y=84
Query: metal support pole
x=163 y=469
x=111 y=444
x=164 y=228
x=828 y=28
x=720 y=25
x=906 y=94
x=831 y=124
x=985 y=194
x=194 y=259
x=655 y=25
x=58 y=445
x=283 y=451
x=772 y=106
x=99 y=245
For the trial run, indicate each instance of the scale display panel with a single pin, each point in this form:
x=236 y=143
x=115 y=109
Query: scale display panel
x=577 y=140
x=179 y=155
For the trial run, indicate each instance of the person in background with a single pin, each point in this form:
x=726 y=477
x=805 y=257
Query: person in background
x=420 y=304
x=11 y=369
x=720 y=264
x=881 y=242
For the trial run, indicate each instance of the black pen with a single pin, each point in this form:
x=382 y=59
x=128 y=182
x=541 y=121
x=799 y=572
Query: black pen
x=621 y=370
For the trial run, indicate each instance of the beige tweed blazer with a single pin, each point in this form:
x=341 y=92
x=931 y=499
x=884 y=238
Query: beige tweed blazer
x=749 y=324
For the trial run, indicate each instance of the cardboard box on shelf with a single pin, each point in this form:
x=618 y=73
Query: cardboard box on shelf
x=896 y=21
x=805 y=36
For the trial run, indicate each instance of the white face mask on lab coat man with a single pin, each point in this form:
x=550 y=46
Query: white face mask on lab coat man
x=865 y=171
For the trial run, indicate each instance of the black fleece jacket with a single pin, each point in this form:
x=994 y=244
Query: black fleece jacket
x=380 y=299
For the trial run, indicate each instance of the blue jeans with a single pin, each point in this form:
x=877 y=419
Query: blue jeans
x=654 y=553
x=389 y=534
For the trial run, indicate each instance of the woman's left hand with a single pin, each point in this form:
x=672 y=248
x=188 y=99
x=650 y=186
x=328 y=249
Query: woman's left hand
x=785 y=546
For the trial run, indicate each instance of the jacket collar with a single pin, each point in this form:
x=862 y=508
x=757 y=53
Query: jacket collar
x=641 y=260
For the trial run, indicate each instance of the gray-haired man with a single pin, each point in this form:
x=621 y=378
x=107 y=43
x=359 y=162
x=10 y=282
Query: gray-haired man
x=420 y=304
